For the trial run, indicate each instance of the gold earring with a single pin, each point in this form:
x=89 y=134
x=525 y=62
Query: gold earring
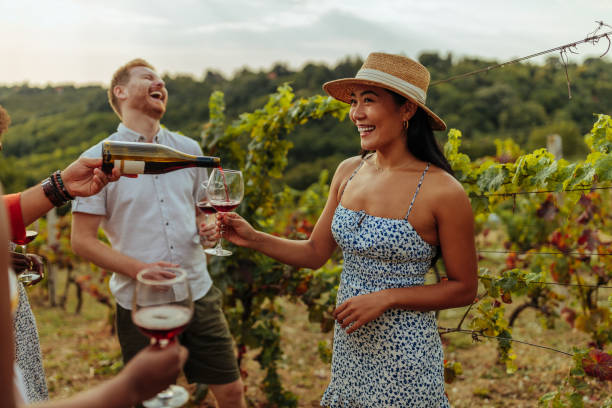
x=405 y=125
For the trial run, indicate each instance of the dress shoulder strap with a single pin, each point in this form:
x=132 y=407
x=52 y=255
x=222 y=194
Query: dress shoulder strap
x=417 y=191
x=349 y=179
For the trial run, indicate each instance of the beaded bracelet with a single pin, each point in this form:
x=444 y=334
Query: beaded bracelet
x=53 y=193
x=57 y=178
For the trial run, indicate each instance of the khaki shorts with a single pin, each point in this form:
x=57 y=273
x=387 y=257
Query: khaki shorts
x=212 y=359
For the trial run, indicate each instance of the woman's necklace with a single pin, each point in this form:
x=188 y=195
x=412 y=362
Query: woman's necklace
x=381 y=169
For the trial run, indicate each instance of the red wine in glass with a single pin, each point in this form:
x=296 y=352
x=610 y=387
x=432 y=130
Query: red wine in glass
x=225 y=206
x=225 y=190
x=162 y=322
x=29 y=237
x=206 y=208
x=162 y=308
x=31 y=275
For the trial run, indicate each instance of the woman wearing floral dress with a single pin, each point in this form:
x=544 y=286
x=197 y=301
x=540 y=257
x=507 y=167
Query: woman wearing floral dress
x=393 y=211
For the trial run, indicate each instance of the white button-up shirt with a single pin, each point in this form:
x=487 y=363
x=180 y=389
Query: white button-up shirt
x=152 y=217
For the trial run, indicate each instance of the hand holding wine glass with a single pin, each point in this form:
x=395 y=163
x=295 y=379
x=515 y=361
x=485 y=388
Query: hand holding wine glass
x=33 y=270
x=225 y=192
x=162 y=308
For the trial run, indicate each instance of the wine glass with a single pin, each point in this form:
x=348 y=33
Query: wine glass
x=162 y=308
x=33 y=273
x=225 y=192
x=204 y=205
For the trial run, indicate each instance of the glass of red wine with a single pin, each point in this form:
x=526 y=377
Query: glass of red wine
x=162 y=308
x=33 y=273
x=204 y=205
x=225 y=191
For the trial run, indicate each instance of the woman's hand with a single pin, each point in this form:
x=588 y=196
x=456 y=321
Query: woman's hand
x=359 y=310
x=236 y=229
x=83 y=177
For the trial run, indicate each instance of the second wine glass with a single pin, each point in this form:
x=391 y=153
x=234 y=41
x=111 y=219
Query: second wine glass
x=204 y=206
x=225 y=192
x=162 y=308
x=33 y=273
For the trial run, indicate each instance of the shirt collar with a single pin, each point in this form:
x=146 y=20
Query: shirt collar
x=133 y=136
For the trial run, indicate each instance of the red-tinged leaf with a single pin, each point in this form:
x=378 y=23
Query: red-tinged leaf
x=585 y=201
x=547 y=210
x=588 y=238
x=598 y=364
x=569 y=315
x=506 y=297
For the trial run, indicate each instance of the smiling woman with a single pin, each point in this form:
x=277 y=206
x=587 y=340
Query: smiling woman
x=393 y=210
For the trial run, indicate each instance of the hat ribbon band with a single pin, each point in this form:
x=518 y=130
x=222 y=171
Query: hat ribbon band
x=379 y=76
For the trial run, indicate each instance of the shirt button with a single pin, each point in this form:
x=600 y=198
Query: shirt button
x=162 y=200
x=166 y=223
x=156 y=177
x=171 y=247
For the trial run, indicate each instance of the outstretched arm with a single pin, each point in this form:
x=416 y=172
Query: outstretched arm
x=82 y=178
x=310 y=253
x=150 y=371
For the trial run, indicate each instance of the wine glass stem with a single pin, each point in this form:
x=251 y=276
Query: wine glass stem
x=219 y=247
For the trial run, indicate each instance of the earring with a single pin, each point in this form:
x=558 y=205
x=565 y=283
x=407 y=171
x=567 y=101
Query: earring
x=405 y=125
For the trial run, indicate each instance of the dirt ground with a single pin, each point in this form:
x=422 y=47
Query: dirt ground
x=79 y=351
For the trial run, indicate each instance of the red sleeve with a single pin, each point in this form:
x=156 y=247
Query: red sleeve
x=13 y=207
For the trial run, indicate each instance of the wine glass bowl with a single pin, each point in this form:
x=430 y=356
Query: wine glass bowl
x=202 y=201
x=225 y=192
x=162 y=308
x=33 y=271
x=162 y=303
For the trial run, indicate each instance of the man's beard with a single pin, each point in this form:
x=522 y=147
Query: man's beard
x=152 y=111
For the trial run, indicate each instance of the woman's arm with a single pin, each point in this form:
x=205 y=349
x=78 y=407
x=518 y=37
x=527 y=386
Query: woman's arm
x=82 y=178
x=150 y=371
x=456 y=236
x=310 y=253
x=7 y=346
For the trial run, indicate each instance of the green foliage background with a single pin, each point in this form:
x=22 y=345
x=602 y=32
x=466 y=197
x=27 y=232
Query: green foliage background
x=51 y=126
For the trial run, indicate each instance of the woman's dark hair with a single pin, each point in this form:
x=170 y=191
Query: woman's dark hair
x=420 y=139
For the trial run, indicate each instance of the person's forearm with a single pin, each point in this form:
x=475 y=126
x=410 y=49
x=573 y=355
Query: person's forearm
x=444 y=295
x=34 y=204
x=106 y=257
x=300 y=253
x=115 y=393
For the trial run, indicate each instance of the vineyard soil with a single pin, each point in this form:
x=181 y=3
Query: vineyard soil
x=80 y=351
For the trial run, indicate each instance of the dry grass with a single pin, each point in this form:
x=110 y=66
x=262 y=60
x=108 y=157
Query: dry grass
x=80 y=351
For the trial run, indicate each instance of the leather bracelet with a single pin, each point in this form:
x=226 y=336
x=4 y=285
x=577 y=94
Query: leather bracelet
x=52 y=193
x=57 y=177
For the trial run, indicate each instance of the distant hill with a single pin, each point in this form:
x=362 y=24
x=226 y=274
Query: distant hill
x=51 y=126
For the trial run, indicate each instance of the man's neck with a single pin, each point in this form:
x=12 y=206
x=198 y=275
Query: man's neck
x=145 y=125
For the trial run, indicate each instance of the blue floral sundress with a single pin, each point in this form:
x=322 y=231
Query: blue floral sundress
x=395 y=360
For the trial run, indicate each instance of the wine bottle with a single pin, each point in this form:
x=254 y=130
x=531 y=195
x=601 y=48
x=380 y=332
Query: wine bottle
x=149 y=158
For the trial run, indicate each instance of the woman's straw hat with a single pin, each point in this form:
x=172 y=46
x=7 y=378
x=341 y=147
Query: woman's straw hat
x=393 y=72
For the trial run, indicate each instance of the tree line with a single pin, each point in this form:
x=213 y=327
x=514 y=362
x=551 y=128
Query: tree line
x=524 y=102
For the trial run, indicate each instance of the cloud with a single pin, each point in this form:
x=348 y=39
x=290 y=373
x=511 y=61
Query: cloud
x=78 y=40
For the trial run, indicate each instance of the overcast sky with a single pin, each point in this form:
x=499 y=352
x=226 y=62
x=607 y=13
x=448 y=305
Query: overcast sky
x=84 y=41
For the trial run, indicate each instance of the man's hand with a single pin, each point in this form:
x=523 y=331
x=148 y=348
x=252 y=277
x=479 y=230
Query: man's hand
x=209 y=234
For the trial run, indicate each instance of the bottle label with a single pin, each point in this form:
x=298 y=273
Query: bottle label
x=131 y=166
